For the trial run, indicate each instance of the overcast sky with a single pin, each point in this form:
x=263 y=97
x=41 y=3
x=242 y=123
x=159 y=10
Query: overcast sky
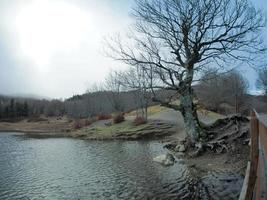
x=53 y=48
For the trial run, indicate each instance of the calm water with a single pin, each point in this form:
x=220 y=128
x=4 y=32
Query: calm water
x=76 y=169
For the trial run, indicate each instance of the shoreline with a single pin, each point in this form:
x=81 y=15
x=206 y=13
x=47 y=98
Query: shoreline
x=153 y=130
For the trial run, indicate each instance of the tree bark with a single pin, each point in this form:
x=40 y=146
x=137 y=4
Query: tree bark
x=189 y=112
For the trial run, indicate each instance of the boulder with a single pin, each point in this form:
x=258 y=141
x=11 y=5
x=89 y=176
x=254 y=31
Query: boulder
x=165 y=159
x=180 y=148
x=108 y=123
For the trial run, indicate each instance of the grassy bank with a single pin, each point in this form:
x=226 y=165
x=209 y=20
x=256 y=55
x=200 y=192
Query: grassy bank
x=127 y=130
x=102 y=129
x=163 y=122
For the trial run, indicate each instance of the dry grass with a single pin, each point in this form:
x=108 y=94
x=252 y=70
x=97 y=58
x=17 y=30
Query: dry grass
x=126 y=130
x=210 y=114
x=150 y=110
x=51 y=124
x=123 y=127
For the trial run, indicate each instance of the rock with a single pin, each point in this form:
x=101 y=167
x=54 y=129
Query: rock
x=199 y=145
x=182 y=141
x=179 y=148
x=165 y=159
x=170 y=146
x=192 y=165
x=182 y=148
x=108 y=123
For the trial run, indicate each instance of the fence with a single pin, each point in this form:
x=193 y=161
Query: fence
x=254 y=186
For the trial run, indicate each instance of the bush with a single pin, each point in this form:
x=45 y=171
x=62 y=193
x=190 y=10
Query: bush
x=87 y=122
x=118 y=118
x=77 y=125
x=139 y=121
x=104 y=117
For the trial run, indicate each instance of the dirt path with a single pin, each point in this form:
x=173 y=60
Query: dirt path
x=176 y=118
x=172 y=117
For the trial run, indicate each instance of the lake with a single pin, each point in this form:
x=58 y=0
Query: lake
x=64 y=168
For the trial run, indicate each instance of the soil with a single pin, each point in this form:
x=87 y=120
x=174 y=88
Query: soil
x=225 y=149
x=52 y=125
x=234 y=161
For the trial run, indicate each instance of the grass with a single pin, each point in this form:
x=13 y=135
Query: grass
x=126 y=130
x=155 y=109
x=151 y=110
x=209 y=114
x=126 y=127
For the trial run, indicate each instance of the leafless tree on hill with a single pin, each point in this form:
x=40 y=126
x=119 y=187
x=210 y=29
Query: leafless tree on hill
x=114 y=89
x=216 y=89
x=262 y=80
x=137 y=80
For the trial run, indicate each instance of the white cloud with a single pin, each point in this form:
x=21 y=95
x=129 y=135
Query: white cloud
x=61 y=42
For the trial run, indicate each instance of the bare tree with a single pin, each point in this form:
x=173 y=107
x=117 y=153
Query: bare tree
x=237 y=87
x=138 y=80
x=178 y=39
x=113 y=86
x=216 y=89
x=262 y=80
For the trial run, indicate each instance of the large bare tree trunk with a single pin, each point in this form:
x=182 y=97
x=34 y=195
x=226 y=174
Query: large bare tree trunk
x=189 y=112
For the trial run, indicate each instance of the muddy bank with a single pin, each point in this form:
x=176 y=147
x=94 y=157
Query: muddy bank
x=225 y=148
x=38 y=126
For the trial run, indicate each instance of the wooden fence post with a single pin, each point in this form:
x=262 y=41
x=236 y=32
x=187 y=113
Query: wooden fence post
x=254 y=155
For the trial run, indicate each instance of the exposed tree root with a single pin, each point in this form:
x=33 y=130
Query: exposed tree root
x=222 y=136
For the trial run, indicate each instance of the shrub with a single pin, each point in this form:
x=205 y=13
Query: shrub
x=139 y=121
x=87 y=122
x=77 y=125
x=118 y=118
x=104 y=116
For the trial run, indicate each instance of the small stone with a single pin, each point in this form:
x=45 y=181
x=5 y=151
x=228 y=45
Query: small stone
x=179 y=148
x=165 y=159
x=182 y=148
x=108 y=123
x=192 y=165
x=198 y=145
